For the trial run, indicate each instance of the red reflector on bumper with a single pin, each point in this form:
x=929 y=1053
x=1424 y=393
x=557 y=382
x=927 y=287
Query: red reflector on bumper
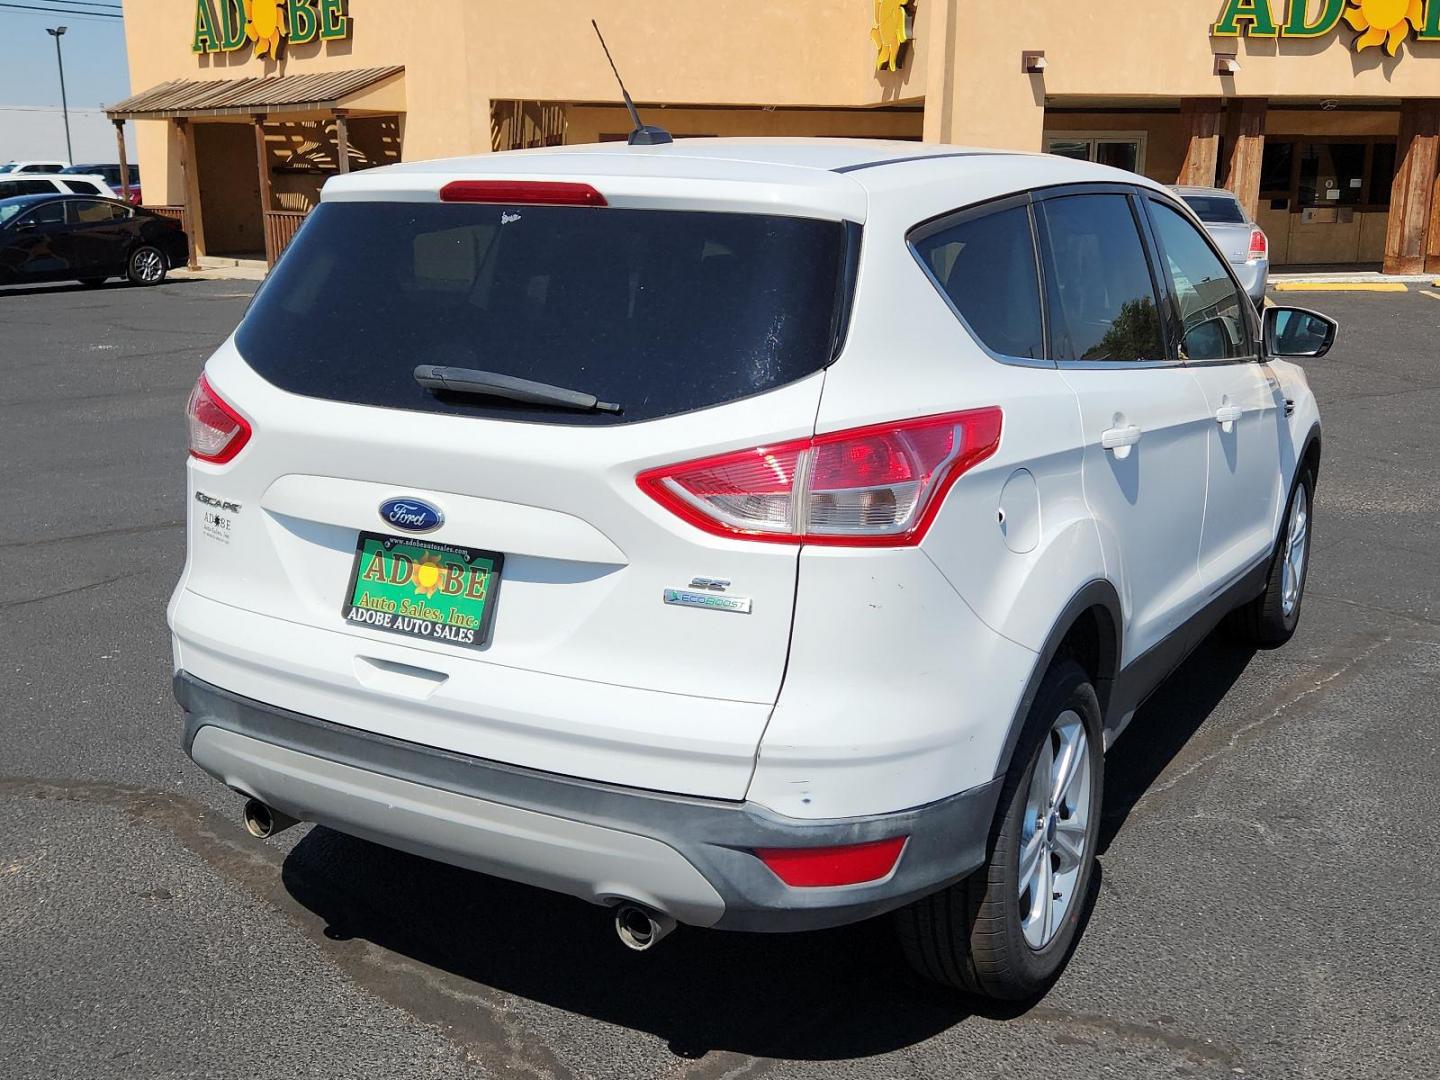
x=854 y=864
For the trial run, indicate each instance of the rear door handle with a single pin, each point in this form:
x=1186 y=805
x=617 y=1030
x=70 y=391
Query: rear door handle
x=1227 y=415
x=1120 y=437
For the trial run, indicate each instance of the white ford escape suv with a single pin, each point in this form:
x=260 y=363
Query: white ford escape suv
x=748 y=534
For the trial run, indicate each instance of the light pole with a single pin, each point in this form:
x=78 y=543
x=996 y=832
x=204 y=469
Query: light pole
x=57 y=33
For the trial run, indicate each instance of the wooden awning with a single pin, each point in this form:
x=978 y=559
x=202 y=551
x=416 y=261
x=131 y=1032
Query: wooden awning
x=315 y=92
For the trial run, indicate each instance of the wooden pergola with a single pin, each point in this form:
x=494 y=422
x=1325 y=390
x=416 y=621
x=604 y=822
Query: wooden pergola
x=323 y=96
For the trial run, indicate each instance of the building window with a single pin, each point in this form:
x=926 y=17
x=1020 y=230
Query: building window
x=1355 y=172
x=1121 y=149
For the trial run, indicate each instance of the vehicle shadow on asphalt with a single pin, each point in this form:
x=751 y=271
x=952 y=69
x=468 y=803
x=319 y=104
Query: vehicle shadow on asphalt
x=828 y=995
x=1165 y=723
x=61 y=288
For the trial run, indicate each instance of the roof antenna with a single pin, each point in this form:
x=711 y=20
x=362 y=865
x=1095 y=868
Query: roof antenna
x=643 y=134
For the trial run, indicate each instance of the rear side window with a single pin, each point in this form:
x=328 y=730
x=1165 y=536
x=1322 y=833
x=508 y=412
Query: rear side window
x=1216 y=209
x=1213 y=321
x=661 y=311
x=1103 y=305
x=986 y=266
x=82 y=187
x=91 y=212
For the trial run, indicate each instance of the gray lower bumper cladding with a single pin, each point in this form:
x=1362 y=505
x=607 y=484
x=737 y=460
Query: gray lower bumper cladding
x=689 y=858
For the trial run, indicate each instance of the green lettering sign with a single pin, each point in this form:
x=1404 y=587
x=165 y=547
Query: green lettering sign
x=1254 y=12
x=1430 y=29
x=334 y=20
x=232 y=25
x=304 y=23
x=206 y=38
x=1328 y=17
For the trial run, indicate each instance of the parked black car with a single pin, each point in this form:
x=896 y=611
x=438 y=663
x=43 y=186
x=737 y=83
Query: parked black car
x=77 y=238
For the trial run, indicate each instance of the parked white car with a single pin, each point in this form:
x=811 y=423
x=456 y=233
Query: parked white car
x=32 y=167
x=38 y=184
x=753 y=534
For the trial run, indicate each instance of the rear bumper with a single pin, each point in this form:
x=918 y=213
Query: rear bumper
x=1254 y=277
x=690 y=858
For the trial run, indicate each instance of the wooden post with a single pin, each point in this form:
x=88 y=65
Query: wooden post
x=124 y=163
x=1412 y=198
x=262 y=159
x=1202 y=119
x=190 y=176
x=342 y=140
x=1247 y=155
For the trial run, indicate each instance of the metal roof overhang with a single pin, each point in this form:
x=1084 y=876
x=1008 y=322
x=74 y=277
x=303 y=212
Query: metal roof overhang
x=184 y=98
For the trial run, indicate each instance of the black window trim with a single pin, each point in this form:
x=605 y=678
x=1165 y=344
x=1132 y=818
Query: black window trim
x=1158 y=284
x=1175 y=321
x=923 y=230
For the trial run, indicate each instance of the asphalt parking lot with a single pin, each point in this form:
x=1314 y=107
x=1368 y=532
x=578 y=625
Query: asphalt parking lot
x=1270 y=866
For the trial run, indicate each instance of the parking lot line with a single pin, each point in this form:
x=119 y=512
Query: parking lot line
x=1340 y=286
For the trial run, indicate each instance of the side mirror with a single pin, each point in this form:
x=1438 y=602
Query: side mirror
x=24 y=225
x=1297 y=333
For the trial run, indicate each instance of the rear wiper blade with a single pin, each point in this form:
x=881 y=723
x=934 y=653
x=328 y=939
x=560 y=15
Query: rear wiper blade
x=459 y=380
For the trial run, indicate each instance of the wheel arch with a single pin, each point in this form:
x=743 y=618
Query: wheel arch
x=1310 y=455
x=1088 y=630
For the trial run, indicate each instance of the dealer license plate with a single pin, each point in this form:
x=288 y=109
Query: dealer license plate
x=435 y=592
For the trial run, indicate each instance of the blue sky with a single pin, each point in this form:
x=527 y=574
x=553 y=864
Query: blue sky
x=95 y=69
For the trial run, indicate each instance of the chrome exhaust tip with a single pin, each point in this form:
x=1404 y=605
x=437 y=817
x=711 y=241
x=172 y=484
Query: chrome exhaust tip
x=641 y=929
x=263 y=821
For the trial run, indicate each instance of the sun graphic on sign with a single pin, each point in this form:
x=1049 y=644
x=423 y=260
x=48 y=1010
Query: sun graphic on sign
x=1385 y=22
x=890 y=32
x=265 y=25
x=427 y=575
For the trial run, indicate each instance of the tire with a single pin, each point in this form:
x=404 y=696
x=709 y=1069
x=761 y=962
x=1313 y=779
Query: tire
x=146 y=266
x=93 y=282
x=982 y=935
x=1269 y=621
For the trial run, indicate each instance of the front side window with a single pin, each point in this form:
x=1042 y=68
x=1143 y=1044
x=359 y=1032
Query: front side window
x=1103 y=305
x=986 y=266
x=1212 y=311
x=52 y=213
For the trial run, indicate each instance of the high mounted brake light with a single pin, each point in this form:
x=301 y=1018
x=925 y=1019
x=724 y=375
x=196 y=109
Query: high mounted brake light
x=217 y=432
x=876 y=486
x=522 y=192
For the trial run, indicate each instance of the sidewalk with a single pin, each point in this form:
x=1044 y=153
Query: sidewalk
x=1302 y=279
x=225 y=269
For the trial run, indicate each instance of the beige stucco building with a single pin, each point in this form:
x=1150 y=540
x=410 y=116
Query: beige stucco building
x=1297 y=105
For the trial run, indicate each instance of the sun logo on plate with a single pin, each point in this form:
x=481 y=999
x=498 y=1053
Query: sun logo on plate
x=1385 y=22
x=265 y=25
x=890 y=32
x=427 y=575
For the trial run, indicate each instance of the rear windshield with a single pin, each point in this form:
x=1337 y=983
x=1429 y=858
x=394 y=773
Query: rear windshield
x=662 y=312
x=1216 y=209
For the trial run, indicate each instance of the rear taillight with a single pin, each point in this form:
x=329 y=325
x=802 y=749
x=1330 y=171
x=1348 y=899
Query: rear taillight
x=522 y=192
x=1259 y=246
x=875 y=486
x=217 y=432
x=853 y=864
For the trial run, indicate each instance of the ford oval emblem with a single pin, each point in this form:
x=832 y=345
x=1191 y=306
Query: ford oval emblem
x=412 y=515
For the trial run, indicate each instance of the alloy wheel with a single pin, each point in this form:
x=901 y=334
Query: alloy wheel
x=1296 y=548
x=148 y=265
x=1055 y=833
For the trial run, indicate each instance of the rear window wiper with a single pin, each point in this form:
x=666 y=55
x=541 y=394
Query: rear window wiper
x=459 y=380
